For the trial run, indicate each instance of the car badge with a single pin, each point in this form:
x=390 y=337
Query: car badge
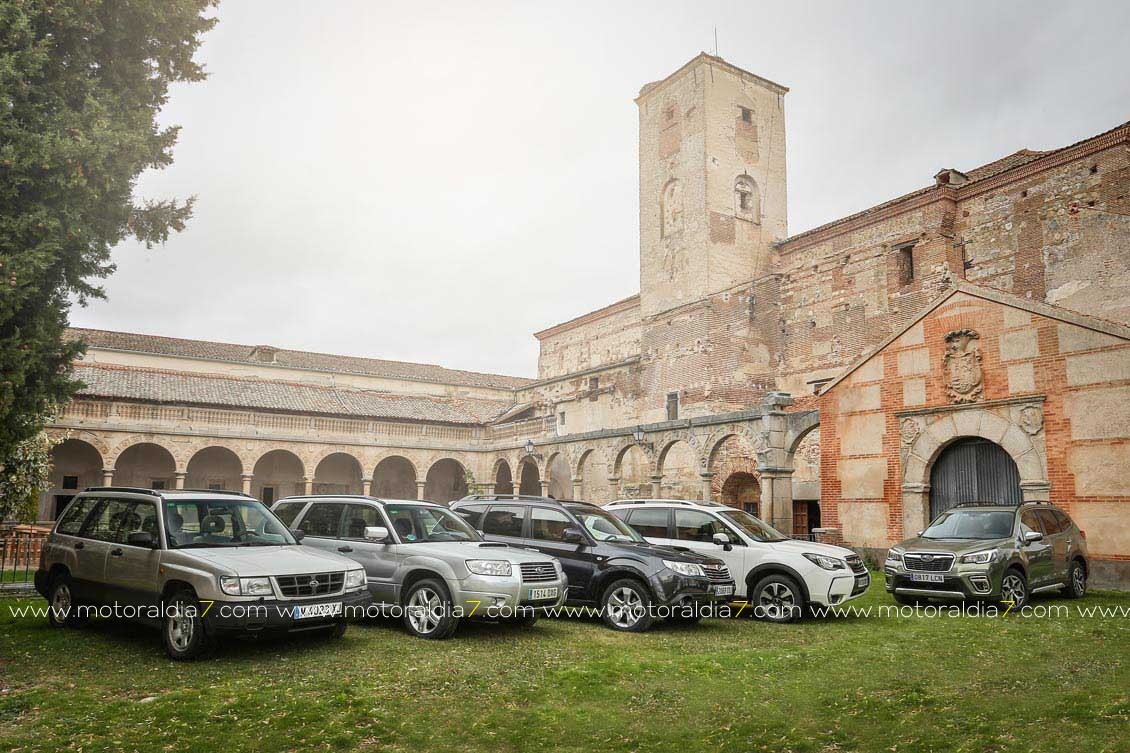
x=314 y=583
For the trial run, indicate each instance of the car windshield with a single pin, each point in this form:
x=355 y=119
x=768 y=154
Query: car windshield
x=604 y=526
x=207 y=523
x=756 y=529
x=416 y=523
x=971 y=524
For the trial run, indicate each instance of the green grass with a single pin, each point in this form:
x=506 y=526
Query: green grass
x=17 y=575
x=973 y=684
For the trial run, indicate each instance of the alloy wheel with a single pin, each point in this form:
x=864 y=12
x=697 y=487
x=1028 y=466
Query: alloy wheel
x=776 y=596
x=181 y=626
x=1013 y=590
x=425 y=610
x=1079 y=580
x=625 y=607
x=61 y=602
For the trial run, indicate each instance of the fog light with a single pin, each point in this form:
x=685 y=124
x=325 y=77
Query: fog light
x=980 y=584
x=498 y=601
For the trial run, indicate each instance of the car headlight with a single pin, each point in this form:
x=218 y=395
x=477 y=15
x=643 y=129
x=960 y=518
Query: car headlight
x=825 y=563
x=489 y=567
x=354 y=579
x=233 y=585
x=685 y=568
x=979 y=558
x=894 y=555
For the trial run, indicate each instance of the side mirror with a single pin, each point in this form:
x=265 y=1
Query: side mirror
x=573 y=536
x=722 y=540
x=298 y=534
x=919 y=534
x=376 y=533
x=1031 y=537
x=142 y=538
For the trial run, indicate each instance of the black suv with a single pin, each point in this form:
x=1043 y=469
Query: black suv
x=607 y=563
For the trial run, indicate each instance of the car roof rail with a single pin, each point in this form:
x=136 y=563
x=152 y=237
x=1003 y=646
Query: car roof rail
x=993 y=503
x=225 y=492
x=129 y=489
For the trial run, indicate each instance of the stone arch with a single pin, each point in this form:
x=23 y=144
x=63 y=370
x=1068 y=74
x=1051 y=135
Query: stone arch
x=739 y=442
x=559 y=475
x=590 y=473
x=146 y=465
x=528 y=476
x=677 y=466
x=278 y=473
x=394 y=477
x=747 y=199
x=632 y=468
x=214 y=467
x=338 y=472
x=502 y=477
x=75 y=465
x=445 y=481
x=179 y=455
x=924 y=440
x=742 y=489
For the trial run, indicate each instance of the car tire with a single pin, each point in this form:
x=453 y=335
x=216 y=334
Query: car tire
x=778 y=598
x=626 y=606
x=428 y=611
x=1076 y=587
x=1014 y=588
x=183 y=630
x=62 y=604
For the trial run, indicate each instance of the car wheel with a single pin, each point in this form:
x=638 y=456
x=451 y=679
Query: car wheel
x=626 y=606
x=185 y=636
x=778 y=598
x=1014 y=589
x=1076 y=586
x=428 y=610
x=62 y=607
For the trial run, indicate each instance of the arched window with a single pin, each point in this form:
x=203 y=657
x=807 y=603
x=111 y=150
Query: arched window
x=747 y=199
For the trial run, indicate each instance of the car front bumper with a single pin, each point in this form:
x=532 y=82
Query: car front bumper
x=488 y=595
x=269 y=615
x=672 y=589
x=959 y=583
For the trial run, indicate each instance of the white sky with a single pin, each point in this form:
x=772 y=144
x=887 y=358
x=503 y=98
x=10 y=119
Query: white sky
x=434 y=182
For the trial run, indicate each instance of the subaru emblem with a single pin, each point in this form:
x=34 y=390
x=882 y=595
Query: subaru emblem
x=314 y=583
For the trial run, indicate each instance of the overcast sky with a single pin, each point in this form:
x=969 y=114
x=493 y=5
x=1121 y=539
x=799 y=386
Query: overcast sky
x=434 y=182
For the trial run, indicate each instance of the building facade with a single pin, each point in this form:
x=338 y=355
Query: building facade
x=778 y=373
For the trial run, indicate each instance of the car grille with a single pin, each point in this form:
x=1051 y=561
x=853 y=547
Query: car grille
x=534 y=572
x=315 y=584
x=927 y=563
x=717 y=573
x=855 y=562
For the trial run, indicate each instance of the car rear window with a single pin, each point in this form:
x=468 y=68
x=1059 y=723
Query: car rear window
x=75 y=515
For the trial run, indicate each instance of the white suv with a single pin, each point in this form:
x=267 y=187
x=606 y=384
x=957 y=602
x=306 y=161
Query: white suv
x=776 y=575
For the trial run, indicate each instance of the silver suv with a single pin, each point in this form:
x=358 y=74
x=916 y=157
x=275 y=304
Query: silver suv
x=200 y=562
x=425 y=564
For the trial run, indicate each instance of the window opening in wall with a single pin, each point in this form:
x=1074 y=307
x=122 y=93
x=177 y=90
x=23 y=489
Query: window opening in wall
x=747 y=114
x=905 y=263
x=157 y=484
x=268 y=495
x=672 y=406
x=70 y=482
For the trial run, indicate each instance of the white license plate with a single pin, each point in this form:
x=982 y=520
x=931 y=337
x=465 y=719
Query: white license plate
x=543 y=593
x=927 y=578
x=307 y=611
x=862 y=580
x=722 y=590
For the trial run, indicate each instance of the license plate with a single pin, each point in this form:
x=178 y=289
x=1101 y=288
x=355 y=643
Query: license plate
x=722 y=590
x=306 y=611
x=543 y=593
x=862 y=580
x=927 y=578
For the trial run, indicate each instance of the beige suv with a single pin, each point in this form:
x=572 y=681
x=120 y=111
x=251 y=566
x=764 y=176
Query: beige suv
x=199 y=562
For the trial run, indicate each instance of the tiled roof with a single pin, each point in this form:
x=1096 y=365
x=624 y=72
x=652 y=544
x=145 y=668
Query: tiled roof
x=295 y=359
x=183 y=388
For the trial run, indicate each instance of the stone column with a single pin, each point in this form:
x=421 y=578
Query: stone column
x=366 y=486
x=775 y=463
x=545 y=487
x=107 y=477
x=420 y=486
x=178 y=479
x=578 y=483
x=707 y=486
x=247 y=483
x=777 y=498
x=614 y=486
x=308 y=485
x=657 y=486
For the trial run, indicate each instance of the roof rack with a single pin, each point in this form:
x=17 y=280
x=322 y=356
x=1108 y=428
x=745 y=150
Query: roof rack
x=130 y=489
x=521 y=498
x=163 y=492
x=996 y=503
x=686 y=502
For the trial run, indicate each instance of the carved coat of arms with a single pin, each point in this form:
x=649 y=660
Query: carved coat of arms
x=963 y=366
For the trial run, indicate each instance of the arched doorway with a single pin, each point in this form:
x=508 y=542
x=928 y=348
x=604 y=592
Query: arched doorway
x=395 y=478
x=973 y=470
x=446 y=480
x=145 y=466
x=503 y=482
x=743 y=491
x=214 y=468
x=338 y=473
x=529 y=480
x=75 y=465
x=558 y=474
x=278 y=474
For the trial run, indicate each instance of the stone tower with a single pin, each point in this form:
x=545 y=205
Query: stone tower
x=712 y=181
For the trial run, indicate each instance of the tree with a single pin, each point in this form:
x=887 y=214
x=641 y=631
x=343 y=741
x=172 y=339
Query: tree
x=81 y=83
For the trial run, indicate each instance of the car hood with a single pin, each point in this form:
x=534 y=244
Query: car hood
x=475 y=550
x=676 y=554
x=797 y=546
x=258 y=561
x=951 y=546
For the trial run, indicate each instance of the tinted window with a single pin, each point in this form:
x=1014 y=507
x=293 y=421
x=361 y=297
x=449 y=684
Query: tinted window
x=108 y=520
x=692 y=525
x=651 y=523
x=473 y=514
x=414 y=523
x=75 y=515
x=1029 y=522
x=360 y=517
x=323 y=520
x=288 y=511
x=1051 y=524
x=548 y=525
x=141 y=518
x=1065 y=523
x=504 y=520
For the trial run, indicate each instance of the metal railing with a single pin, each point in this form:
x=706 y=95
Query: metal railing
x=19 y=558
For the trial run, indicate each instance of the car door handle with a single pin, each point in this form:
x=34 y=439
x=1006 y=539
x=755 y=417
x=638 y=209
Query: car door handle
x=345 y=549
x=79 y=545
x=115 y=552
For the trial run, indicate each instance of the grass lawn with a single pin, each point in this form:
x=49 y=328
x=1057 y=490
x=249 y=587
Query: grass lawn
x=838 y=684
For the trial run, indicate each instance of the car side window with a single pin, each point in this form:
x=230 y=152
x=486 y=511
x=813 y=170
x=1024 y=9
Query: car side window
x=323 y=520
x=75 y=515
x=108 y=520
x=358 y=518
x=504 y=520
x=1065 y=523
x=1051 y=524
x=141 y=518
x=548 y=525
x=692 y=525
x=288 y=511
x=473 y=514
x=1029 y=522
x=649 y=523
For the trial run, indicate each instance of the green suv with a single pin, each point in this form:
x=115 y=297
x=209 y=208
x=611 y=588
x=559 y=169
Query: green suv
x=989 y=552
